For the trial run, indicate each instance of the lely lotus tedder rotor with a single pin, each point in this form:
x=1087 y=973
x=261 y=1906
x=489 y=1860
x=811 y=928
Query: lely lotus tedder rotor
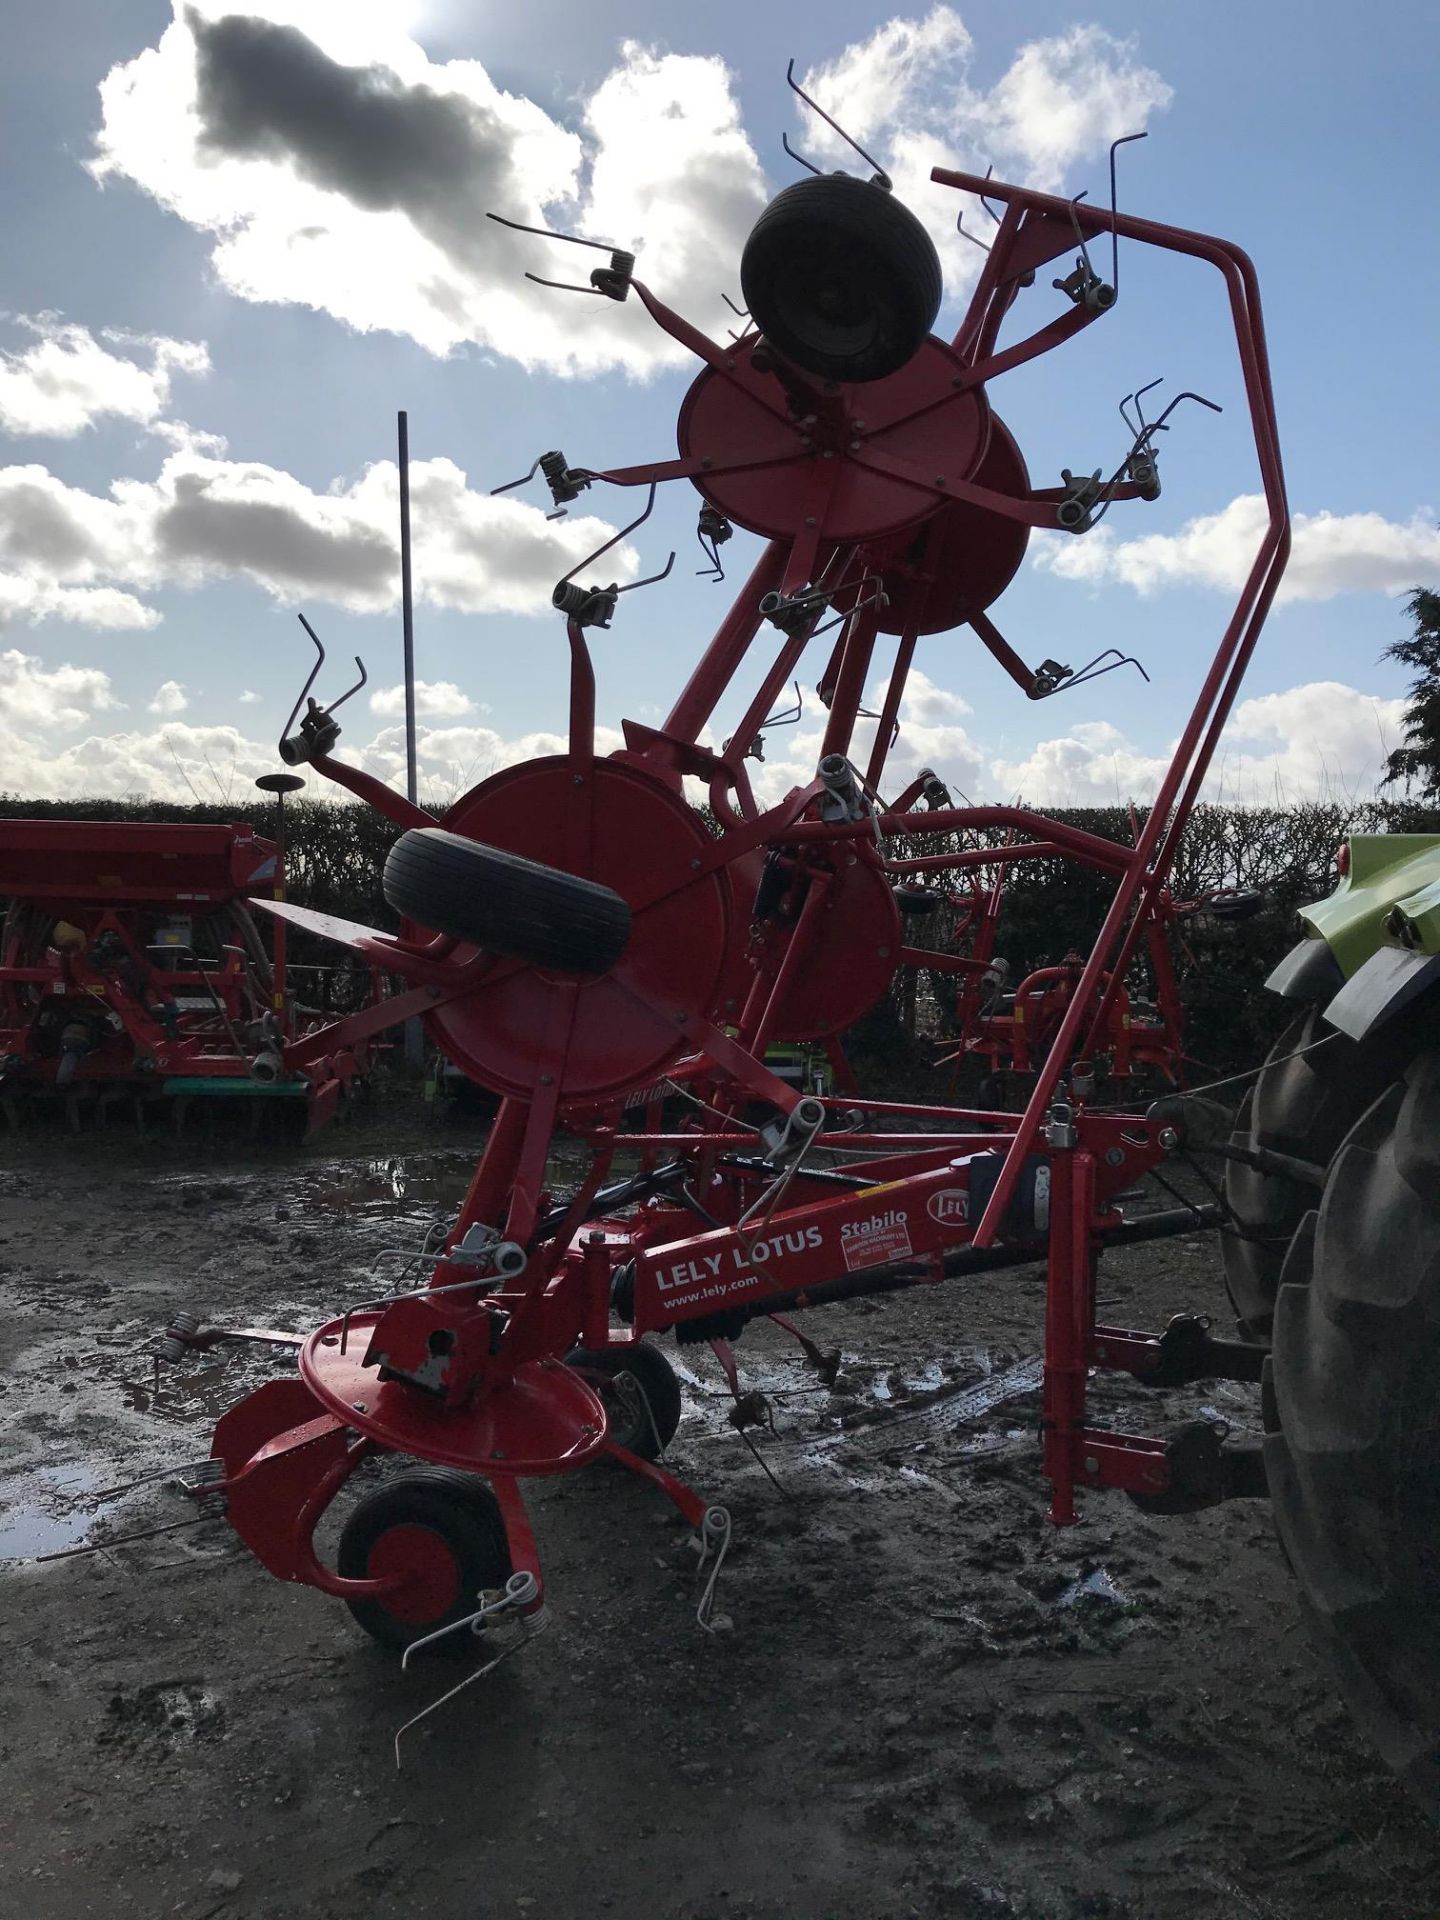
x=574 y=931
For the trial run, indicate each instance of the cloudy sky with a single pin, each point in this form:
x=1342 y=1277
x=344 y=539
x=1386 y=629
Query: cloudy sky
x=235 y=242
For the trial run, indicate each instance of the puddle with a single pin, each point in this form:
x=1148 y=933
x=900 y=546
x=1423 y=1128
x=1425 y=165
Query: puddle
x=48 y=1509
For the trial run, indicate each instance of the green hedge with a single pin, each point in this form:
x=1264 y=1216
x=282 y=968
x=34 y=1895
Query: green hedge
x=336 y=853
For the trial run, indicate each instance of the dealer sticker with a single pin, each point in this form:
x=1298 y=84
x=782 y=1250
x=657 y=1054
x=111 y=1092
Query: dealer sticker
x=877 y=1240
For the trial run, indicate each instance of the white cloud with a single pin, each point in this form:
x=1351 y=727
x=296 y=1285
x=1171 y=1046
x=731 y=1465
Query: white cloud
x=1066 y=98
x=66 y=379
x=33 y=695
x=176 y=762
x=1323 y=738
x=435 y=699
x=906 y=93
x=33 y=600
x=170 y=697
x=1320 y=740
x=337 y=167
x=249 y=699
x=67 y=552
x=1092 y=765
x=1331 y=553
x=932 y=734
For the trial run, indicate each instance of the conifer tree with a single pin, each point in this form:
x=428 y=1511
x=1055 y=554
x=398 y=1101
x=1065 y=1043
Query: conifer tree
x=1417 y=763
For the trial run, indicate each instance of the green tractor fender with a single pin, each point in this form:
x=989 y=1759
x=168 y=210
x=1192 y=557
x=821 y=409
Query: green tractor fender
x=1373 y=946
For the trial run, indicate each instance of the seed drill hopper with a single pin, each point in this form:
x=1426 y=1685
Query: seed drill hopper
x=132 y=973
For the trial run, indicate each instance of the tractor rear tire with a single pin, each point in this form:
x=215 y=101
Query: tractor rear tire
x=1354 y=1391
x=506 y=904
x=1302 y=1104
x=444 y=1525
x=648 y=1429
x=841 y=278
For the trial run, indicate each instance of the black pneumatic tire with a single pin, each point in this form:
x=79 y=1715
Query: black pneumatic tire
x=463 y=1514
x=1354 y=1469
x=655 y=1377
x=1304 y=1107
x=505 y=904
x=841 y=278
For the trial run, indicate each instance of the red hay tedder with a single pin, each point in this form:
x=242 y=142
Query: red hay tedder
x=132 y=972
x=574 y=931
x=1136 y=1029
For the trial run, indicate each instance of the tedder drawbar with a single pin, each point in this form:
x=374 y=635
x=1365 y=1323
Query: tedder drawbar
x=573 y=930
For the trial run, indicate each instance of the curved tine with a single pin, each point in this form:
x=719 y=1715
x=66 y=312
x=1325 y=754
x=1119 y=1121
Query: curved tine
x=984 y=202
x=511 y=484
x=355 y=689
x=548 y=233
x=1083 y=194
x=741 y=313
x=1130 y=426
x=973 y=238
x=849 y=140
x=319 y=662
x=614 y=540
x=1139 y=395
x=1094 y=671
x=1123 y=141
x=563 y=286
x=786 y=716
x=785 y=143
x=711 y=552
x=664 y=574
x=1213 y=405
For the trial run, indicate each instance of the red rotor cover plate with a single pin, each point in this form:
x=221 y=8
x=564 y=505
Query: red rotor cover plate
x=963 y=556
x=543 y=1419
x=628 y=1023
x=851 y=957
x=724 y=419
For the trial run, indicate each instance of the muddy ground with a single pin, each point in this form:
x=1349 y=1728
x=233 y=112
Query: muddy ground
x=928 y=1703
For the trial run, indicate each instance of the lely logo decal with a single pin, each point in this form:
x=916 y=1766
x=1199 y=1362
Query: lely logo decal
x=951 y=1203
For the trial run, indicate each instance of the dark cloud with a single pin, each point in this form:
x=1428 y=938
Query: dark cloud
x=37 y=528
x=267 y=92
x=275 y=544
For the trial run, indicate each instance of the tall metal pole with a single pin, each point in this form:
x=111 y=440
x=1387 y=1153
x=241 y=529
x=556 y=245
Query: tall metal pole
x=414 y=1034
x=406 y=609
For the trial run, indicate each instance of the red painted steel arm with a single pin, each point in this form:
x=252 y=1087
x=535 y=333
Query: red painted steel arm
x=1153 y=853
x=385 y=800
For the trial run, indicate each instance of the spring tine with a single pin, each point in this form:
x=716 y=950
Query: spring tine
x=548 y=233
x=984 y=202
x=319 y=662
x=510 y=485
x=651 y=579
x=1213 y=405
x=1139 y=397
x=352 y=690
x=835 y=125
x=1079 y=236
x=614 y=540
x=563 y=286
x=1124 y=141
x=785 y=143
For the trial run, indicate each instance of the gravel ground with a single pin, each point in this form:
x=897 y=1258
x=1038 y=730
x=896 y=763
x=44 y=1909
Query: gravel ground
x=928 y=1702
